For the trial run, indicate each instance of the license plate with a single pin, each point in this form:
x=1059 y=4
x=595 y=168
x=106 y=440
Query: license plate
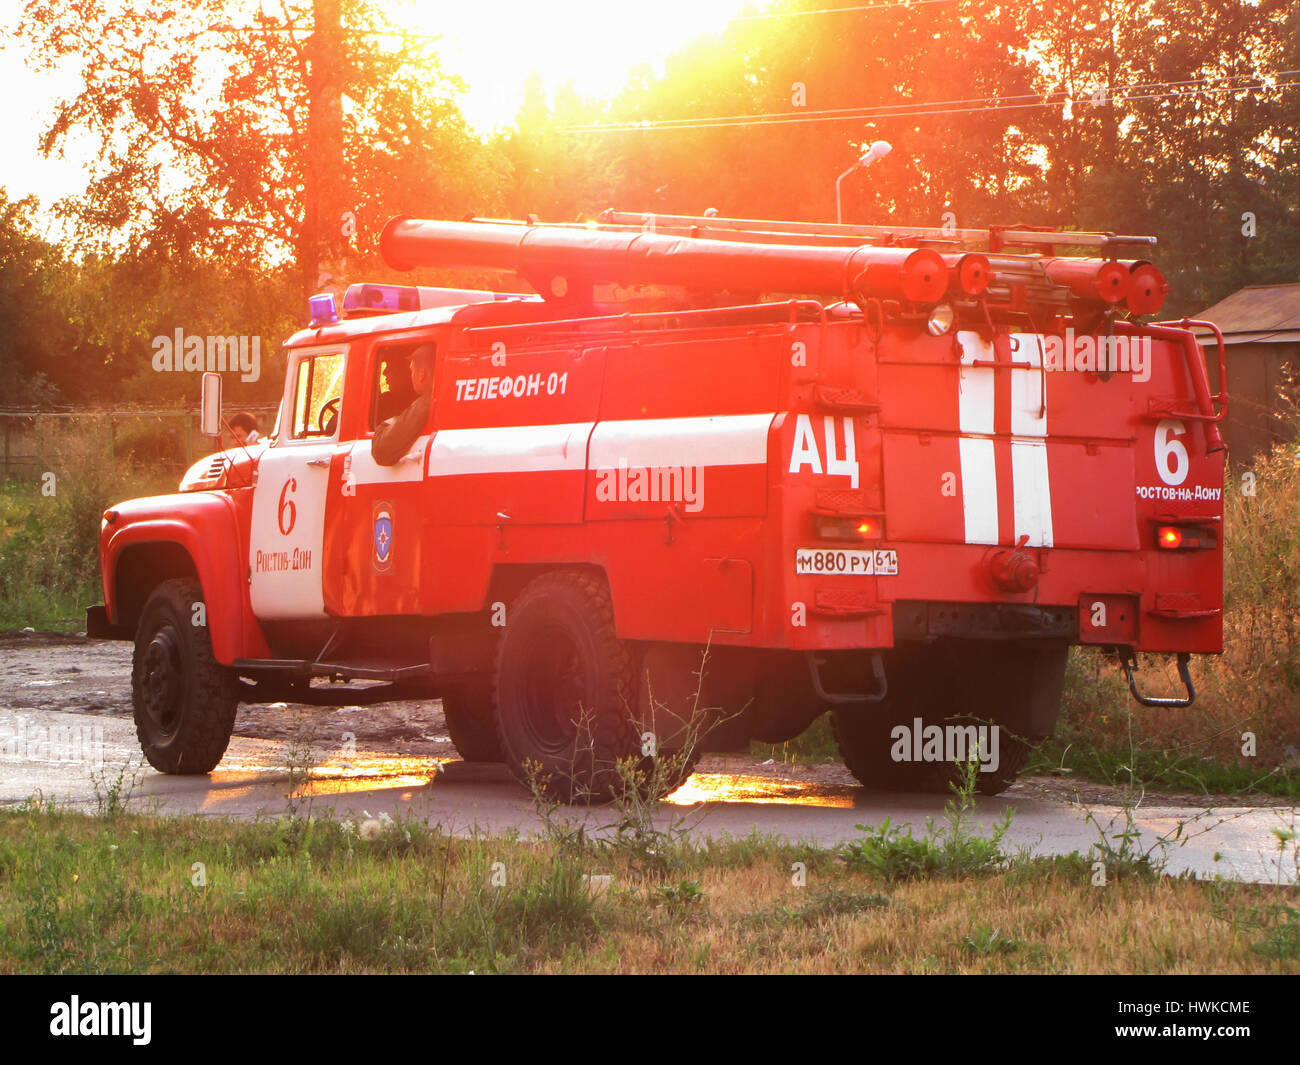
x=849 y=563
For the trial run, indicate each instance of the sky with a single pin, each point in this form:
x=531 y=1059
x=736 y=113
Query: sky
x=23 y=170
x=492 y=44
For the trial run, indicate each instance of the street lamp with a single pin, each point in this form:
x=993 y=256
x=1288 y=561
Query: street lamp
x=877 y=151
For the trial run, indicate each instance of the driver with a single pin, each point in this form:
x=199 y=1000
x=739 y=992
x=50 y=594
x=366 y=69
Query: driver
x=396 y=395
x=394 y=438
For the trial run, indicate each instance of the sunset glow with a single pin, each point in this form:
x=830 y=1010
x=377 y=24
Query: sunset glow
x=592 y=44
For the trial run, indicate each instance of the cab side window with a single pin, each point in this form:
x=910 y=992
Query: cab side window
x=318 y=389
x=391 y=386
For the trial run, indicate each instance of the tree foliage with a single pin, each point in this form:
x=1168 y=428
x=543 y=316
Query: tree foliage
x=40 y=349
x=244 y=145
x=203 y=115
x=1138 y=116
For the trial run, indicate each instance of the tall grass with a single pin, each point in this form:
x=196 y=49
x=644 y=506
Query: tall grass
x=49 y=529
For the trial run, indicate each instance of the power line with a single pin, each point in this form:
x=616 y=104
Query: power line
x=988 y=105
x=893 y=110
x=838 y=10
x=885 y=5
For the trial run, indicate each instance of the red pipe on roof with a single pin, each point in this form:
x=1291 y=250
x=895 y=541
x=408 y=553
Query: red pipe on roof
x=544 y=253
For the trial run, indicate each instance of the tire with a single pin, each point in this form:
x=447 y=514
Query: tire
x=469 y=714
x=1015 y=688
x=865 y=745
x=565 y=691
x=185 y=701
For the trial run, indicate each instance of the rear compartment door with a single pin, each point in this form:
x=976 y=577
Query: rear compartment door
x=985 y=443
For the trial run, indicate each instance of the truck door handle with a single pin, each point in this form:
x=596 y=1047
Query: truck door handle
x=318 y=462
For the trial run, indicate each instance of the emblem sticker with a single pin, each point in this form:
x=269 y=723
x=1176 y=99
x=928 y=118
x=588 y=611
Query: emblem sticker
x=383 y=539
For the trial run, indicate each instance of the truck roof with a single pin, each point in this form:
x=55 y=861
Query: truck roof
x=470 y=313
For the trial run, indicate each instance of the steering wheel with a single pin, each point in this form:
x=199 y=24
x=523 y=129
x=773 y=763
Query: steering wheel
x=332 y=408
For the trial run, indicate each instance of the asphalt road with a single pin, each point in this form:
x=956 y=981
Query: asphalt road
x=76 y=759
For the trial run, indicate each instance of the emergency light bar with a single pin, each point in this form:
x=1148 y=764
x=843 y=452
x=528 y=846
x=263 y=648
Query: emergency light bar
x=323 y=311
x=367 y=299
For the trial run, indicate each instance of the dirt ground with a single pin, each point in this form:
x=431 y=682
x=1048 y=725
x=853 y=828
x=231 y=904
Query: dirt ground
x=73 y=674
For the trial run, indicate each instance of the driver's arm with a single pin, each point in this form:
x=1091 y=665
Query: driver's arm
x=394 y=438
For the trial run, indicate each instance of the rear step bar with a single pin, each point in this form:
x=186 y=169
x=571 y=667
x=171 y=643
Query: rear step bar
x=1128 y=662
x=815 y=662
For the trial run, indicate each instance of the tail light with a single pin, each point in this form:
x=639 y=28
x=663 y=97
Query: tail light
x=1185 y=537
x=848 y=527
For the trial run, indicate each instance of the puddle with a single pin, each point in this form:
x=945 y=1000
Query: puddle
x=729 y=787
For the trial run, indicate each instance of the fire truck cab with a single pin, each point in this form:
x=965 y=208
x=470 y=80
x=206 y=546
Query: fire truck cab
x=655 y=509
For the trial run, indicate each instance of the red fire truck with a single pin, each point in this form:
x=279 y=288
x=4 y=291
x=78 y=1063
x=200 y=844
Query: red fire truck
x=741 y=471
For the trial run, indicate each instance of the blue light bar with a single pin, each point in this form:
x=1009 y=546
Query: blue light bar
x=323 y=311
x=380 y=299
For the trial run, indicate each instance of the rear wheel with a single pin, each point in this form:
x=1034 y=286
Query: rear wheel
x=185 y=701
x=468 y=711
x=953 y=686
x=566 y=687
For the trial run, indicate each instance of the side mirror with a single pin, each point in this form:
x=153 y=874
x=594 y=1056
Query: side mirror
x=210 y=405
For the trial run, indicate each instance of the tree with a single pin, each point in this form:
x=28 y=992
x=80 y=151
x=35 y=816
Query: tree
x=1176 y=118
x=1180 y=126
x=286 y=131
x=42 y=356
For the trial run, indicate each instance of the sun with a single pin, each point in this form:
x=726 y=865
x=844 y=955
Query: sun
x=593 y=44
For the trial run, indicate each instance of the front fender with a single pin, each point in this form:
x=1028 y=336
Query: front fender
x=139 y=545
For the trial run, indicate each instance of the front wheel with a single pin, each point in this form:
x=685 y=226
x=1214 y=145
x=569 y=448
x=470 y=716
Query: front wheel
x=184 y=699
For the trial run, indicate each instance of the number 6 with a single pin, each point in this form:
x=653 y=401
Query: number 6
x=288 y=512
x=1166 y=445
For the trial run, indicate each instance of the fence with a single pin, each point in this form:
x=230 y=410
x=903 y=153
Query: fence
x=168 y=439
